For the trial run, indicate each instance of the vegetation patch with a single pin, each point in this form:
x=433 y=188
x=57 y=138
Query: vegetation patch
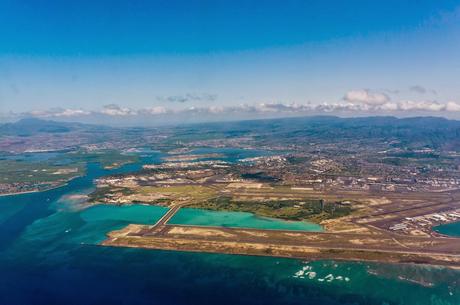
x=314 y=210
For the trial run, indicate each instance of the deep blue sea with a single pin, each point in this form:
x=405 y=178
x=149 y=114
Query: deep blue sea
x=49 y=254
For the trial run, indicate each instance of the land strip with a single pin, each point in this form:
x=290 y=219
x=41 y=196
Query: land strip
x=370 y=237
x=306 y=245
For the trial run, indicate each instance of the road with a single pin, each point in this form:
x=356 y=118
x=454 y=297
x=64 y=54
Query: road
x=160 y=224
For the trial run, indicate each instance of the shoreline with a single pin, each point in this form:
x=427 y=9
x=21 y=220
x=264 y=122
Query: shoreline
x=31 y=192
x=309 y=258
x=382 y=248
x=307 y=253
x=40 y=191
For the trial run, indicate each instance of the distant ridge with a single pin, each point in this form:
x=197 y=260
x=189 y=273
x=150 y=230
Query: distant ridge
x=31 y=126
x=418 y=131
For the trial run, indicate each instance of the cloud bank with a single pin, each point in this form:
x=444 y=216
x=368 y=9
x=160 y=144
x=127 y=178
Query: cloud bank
x=189 y=97
x=366 y=100
x=353 y=103
x=366 y=97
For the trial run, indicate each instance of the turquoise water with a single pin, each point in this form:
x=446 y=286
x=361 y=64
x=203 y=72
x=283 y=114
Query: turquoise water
x=140 y=214
x=451 y=229
x=116 y=216
x=201 y=217
x=49 y=254
x=69 y=229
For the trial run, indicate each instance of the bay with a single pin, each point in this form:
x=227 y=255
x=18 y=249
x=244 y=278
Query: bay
x=50 y=254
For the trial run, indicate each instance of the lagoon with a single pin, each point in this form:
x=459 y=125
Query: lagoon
x=190 y=216
x=450 y=229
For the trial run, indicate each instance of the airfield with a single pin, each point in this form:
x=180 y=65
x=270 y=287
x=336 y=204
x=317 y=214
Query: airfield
x=391 y=227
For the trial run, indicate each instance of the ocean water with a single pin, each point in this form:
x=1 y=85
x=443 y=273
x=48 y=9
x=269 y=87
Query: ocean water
x=201 y=217
x=49 y=254
x=230 y=154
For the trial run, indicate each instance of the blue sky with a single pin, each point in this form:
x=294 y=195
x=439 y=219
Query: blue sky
x=220 y=57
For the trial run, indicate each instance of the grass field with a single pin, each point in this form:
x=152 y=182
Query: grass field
x=107 y=158
x=308 y=209
x=12 y=171
x=194 y=193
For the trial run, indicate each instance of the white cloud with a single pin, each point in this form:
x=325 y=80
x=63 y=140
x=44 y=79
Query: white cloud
x=421 y=105
x=258 y=109
x=115 y=110
x=365 y=100
x=72 y=112
x=155 y=110
x=189 y=97
x=281 y=107
x=354 y=102
x=453 y=106
x=57 y=112
x=366 y=97
x=390 y=106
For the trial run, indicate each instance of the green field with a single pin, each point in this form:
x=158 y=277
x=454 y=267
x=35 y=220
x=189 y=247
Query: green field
x=107 y=158
x=12 y=171
x=308 y=209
